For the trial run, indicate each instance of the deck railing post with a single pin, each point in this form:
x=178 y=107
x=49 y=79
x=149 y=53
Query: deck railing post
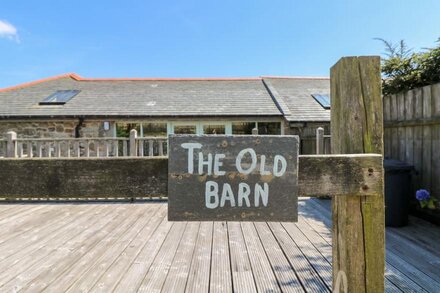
x=11 y=144
x=133 y=138
x=358 y=221
x=320 y=141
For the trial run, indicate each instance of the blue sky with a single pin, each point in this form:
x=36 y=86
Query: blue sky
x=201 y=38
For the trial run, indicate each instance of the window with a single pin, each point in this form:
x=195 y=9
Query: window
x=269 y=128
x=241 y=128
x=123 y=129
x=323 y=100
x=213 y=129
x=154 y=129
x=59 y=97
x=185 y=129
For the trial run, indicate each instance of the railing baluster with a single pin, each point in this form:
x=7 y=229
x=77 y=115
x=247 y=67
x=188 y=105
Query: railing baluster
x=151 y=147
x=29 y=149
x=49 y=149
x=116 y=148
x=39 y=149
x=67 y=148
x=160 y=142
x=141 y=147
x=124 y=148
x=106 y=148
x=78 y=149
x=20 y=150
x=58 y=149
x=87 y=148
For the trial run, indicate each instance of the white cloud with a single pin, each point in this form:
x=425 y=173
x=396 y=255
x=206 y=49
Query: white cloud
x=8 y=31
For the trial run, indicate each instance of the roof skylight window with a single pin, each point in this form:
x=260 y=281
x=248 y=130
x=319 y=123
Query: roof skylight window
x=59 y=97
x=323 y=100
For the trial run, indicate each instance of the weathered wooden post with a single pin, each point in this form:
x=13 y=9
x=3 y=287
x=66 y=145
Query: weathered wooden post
x=320 y=141
x=358 y=221
x=11 y=144
x=133 y=149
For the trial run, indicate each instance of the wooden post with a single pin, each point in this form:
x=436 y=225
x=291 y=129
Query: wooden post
x=11 y=144
x=320 y=141
x=358 y=221
x=133 y=136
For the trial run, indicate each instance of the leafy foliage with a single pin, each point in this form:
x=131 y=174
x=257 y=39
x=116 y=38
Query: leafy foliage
x=404 y=69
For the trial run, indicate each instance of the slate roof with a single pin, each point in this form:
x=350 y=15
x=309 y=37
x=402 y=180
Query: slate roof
x=296 y=94
x=164 y=98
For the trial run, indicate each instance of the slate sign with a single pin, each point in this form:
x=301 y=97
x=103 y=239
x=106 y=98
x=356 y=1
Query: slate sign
x=233 y=178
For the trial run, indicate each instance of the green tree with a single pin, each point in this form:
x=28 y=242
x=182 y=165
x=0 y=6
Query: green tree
x=404 y=69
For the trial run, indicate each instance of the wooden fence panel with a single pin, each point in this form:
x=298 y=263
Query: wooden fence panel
x=435 y=133
x=412 y=133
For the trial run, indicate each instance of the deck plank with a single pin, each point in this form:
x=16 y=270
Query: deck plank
x=264 y=276
x=78 y=262
x=134 y=275
x=198 y=278
x=129 y=231
x=155 y=278
x=111 y=277
x=221 y=276
x=285 y=274
x=28 y=248
x=306 y=273
x=242 y=276
x=30 y=266
x=26 y=224
x=25 y=210
x=179 y=270
x=61 y=260
x=319 y=262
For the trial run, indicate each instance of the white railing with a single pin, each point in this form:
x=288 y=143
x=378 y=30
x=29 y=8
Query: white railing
x=133 y=146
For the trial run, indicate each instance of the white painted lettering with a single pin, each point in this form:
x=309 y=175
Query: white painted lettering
x=211 y=192
x=261 y=192
x=276 y=161
x=208 y=163
x=218 y=163
x=262 y=165
x=227 y=194
x=243 y=194
x=239 y=158
x=190 y=146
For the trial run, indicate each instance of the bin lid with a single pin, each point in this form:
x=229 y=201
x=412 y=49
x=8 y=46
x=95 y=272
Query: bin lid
x=396 y=165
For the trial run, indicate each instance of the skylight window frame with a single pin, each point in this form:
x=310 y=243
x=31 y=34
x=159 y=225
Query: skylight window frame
x=53 y=100
x=323 y=100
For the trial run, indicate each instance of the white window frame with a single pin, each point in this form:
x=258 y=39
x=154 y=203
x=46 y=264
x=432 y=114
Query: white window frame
x=199 y=126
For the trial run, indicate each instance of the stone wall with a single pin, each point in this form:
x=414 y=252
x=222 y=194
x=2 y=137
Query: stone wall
x=55 y=129
x=39 y=129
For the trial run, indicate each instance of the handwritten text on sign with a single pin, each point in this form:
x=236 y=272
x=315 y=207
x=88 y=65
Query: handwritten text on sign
x=235 y=178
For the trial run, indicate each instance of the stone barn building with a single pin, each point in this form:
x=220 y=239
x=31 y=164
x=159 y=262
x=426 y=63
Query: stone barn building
x=73 y=106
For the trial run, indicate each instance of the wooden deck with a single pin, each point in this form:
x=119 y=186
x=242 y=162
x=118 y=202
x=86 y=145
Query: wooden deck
x=121 y=247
